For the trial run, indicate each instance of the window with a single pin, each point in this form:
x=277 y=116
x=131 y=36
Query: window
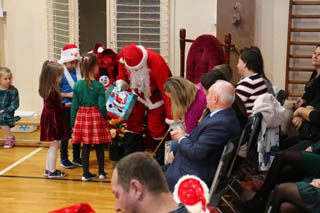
x=143 y=22
x=62 y=25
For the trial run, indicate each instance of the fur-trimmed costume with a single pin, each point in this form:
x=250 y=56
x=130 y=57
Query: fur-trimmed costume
x=146 y=80
x=144 y=73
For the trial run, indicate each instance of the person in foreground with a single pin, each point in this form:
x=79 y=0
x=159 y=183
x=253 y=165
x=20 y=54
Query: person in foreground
x=199 y=153
x=139 y=185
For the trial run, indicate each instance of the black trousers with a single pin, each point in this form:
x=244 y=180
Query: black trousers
x=76 y=148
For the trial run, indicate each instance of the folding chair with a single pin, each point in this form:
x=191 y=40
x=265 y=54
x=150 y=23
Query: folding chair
x=281 y=96
x=248 y=135
x=225 y=159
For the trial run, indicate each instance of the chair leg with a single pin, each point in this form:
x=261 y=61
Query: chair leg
x=234 y=191
x=228 y=204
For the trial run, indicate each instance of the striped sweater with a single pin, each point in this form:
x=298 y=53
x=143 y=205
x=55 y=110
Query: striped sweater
x=249 y=88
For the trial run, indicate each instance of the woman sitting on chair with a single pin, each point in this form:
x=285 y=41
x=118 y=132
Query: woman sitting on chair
x=187 y=104
x=254 y=82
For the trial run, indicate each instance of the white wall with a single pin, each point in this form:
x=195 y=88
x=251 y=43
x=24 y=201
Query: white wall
x=25 y=41
x=271 y=37
x=197 y=18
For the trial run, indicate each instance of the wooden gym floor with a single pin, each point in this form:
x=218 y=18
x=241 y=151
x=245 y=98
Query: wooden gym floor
x=23 y=187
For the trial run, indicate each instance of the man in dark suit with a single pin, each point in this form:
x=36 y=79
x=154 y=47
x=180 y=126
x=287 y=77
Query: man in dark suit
x=199 y=153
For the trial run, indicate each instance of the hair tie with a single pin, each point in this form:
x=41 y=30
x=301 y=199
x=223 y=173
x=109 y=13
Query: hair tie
x=52 y=61
x=86 y=58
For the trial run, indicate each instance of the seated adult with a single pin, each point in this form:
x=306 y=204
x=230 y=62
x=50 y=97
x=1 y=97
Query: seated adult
x=296 y=197
x=253 y=82
x=311 y=97
x=139 y=186
x=287 y=166
x=187 y=101
x=307 y=122
x=224 y=72
x=199 y=153
x=187 y=104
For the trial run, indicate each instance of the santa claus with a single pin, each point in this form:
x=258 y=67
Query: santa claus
x=144 y=73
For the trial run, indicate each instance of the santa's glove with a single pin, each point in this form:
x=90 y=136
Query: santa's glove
x=174 y=125
x=122 y=85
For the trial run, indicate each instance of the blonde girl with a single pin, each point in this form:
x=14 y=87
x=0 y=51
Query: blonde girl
x=52 y=121
x=9 y=102
x=89 y=118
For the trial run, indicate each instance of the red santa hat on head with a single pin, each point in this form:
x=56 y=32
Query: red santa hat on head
x=134 y=56
x=69 y=53
x=193 y=193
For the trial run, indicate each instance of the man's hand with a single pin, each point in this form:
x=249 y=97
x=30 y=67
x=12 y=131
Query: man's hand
x=67 y=104
x=177 y=134
x=1 y=111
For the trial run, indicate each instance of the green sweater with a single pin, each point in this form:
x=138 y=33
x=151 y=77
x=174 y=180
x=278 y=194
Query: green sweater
x=84 y=96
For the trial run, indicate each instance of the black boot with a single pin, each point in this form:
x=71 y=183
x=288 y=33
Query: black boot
x=132 y=142
x=160 y=153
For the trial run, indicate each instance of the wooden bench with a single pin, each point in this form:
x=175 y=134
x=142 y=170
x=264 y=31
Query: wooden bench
x=26 y=138
x=30 y=121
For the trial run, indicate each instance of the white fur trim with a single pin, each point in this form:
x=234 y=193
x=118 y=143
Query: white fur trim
x=147 y=102
x=69 y=55
x=68 y=76
x=142 y=62
x=169 y=121
x=195 y=208
x=100 y=49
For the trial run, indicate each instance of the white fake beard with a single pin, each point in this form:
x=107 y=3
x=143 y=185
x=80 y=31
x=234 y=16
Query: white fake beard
x=140 y=79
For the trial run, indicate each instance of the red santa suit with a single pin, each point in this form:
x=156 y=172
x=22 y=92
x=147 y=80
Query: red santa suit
x=145 y=72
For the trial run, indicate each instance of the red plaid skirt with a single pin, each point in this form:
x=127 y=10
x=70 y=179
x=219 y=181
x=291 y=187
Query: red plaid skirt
x=90 y=127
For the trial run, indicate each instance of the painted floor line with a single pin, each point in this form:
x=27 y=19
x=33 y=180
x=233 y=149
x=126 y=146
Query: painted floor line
x=20 y=161
x=59 y=179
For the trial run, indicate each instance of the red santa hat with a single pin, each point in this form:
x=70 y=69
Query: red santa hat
x=134 y=56
x=69 y=53
x=193 y=193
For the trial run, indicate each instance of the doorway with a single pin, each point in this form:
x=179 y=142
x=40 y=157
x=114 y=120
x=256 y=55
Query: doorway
x=92 y=24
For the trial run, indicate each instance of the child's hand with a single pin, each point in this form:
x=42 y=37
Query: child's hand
x=69 y=95
x=1 y=111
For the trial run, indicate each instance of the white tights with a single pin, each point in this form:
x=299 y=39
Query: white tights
x=7 y=131
x=52 y=156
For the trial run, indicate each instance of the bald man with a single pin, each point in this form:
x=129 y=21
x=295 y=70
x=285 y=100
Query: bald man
x=199 y=153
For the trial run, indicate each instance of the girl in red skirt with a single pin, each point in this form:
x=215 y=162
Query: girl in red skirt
x=89 y=118
x=52 y=122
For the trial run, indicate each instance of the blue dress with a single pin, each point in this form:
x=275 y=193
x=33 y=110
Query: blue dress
x=9 y=102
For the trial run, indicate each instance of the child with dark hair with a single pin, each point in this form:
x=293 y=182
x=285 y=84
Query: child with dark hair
x=89 y=119
x=70 y=60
